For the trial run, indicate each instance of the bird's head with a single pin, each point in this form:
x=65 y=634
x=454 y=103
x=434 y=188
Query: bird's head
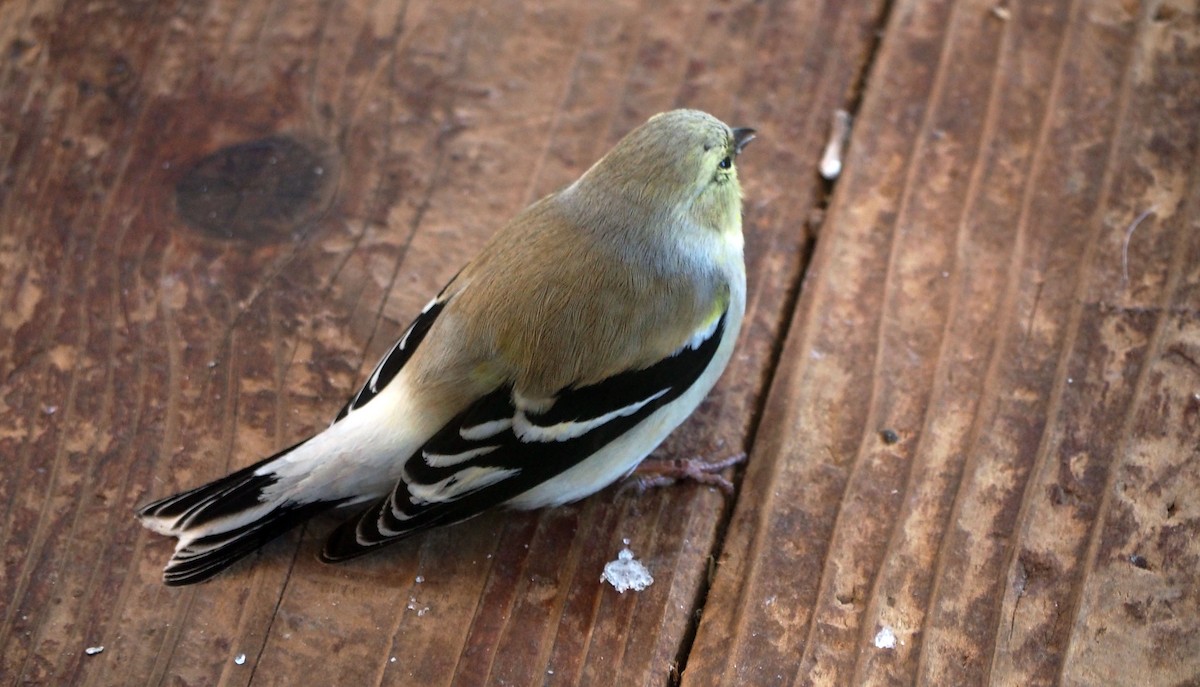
x=682 y=162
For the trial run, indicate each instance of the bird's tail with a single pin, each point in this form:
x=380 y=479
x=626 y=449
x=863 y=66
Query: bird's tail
x=224 y=520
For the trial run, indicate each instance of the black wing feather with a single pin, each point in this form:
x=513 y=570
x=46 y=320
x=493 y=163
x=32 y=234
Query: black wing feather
x=391 y=364
x=534 y=461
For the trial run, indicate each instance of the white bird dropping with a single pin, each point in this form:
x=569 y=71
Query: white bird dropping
x=627 y=573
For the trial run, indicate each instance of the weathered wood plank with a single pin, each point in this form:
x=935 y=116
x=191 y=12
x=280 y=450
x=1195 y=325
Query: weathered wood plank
x=981 y=431
x=141 y=354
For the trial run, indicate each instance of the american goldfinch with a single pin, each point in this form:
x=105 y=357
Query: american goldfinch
x=588 y=328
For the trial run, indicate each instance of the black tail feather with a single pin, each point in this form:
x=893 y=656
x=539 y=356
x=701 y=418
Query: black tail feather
x=221 y=497
x=206 y=556
x=224 y=520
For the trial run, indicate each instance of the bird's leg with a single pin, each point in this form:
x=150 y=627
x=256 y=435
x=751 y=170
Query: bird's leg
x=660 y=472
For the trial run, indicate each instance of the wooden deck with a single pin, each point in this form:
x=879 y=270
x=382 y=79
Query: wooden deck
x=969 y=381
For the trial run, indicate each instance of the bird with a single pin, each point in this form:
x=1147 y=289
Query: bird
x=585 y=331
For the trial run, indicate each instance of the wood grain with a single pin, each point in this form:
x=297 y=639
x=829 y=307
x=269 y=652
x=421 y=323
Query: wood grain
x=982 y=427
x=972 y=419
x=141 y=354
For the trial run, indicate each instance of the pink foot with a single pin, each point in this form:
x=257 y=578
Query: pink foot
x=656 y=472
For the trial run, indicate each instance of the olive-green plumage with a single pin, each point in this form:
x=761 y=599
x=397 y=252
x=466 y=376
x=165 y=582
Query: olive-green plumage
x=587 y=329
x=613 y=272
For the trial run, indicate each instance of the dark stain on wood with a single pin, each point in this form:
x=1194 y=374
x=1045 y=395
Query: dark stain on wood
x=261 y=190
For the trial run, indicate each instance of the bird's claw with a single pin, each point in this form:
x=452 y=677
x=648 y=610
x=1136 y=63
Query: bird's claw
x=660 y=473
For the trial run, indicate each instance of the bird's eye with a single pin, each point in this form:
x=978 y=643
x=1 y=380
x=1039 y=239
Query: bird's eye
x=726 y=163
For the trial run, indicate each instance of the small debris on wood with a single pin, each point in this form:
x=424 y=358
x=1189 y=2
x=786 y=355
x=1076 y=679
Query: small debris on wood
x=414 y=605
x=839 y=133
x=626 y=572
x=1125 y=245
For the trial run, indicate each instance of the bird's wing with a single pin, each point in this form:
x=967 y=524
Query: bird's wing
x=394 y=361
x=499 y=448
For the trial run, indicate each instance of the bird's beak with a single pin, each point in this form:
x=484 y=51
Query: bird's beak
x=741 y=137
